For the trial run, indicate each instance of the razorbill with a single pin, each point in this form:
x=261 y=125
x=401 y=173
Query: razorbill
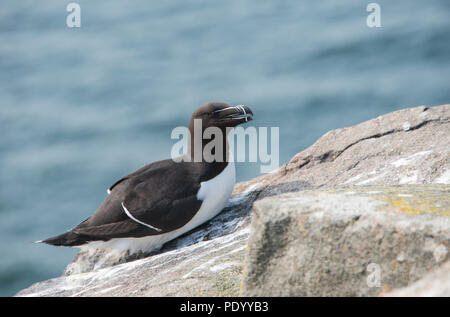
x=164 y=199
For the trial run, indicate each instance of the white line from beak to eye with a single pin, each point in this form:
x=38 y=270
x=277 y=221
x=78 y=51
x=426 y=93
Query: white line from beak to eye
x=220 y=110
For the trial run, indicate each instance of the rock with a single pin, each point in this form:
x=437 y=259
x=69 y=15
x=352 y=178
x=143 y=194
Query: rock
x=378 y=151
x=208 y=260
x=356 y=241
x=211 y=267
x=435 y=284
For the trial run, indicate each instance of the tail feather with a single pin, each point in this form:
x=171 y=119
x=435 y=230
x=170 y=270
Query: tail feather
x=68 y=239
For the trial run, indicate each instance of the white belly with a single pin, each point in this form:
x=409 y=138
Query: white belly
x=214 y=194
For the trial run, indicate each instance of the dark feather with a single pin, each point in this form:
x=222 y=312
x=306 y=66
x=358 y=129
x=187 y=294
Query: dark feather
x=162 y=194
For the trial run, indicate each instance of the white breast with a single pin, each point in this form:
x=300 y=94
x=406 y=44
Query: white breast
x=214 y=194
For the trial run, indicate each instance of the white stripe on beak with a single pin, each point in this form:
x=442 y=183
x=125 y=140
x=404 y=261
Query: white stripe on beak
x=241 y=107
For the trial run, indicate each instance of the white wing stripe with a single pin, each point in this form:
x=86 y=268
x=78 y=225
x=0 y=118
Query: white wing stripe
x=138 y=221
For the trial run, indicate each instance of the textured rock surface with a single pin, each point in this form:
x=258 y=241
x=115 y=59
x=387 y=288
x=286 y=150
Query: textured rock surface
x=207 y=268
x=329 y=242
x=435 y=284
x=410 y=146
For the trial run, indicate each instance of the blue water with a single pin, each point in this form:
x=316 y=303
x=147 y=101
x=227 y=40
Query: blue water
x=81 y=107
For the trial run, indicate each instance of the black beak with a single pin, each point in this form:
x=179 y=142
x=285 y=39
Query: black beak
x=238 y=114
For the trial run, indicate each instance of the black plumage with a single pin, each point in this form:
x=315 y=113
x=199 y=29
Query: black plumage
x=162 y=194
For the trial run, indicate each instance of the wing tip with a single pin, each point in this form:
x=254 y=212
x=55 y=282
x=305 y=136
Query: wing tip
x=68 y=239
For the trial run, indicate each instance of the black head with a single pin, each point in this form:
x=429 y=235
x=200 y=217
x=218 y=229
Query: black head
x=221 y=115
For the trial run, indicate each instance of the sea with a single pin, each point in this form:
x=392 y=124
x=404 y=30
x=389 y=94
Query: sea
x=82 y=106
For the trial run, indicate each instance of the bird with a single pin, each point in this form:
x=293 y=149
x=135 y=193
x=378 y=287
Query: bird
x=165 y=199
